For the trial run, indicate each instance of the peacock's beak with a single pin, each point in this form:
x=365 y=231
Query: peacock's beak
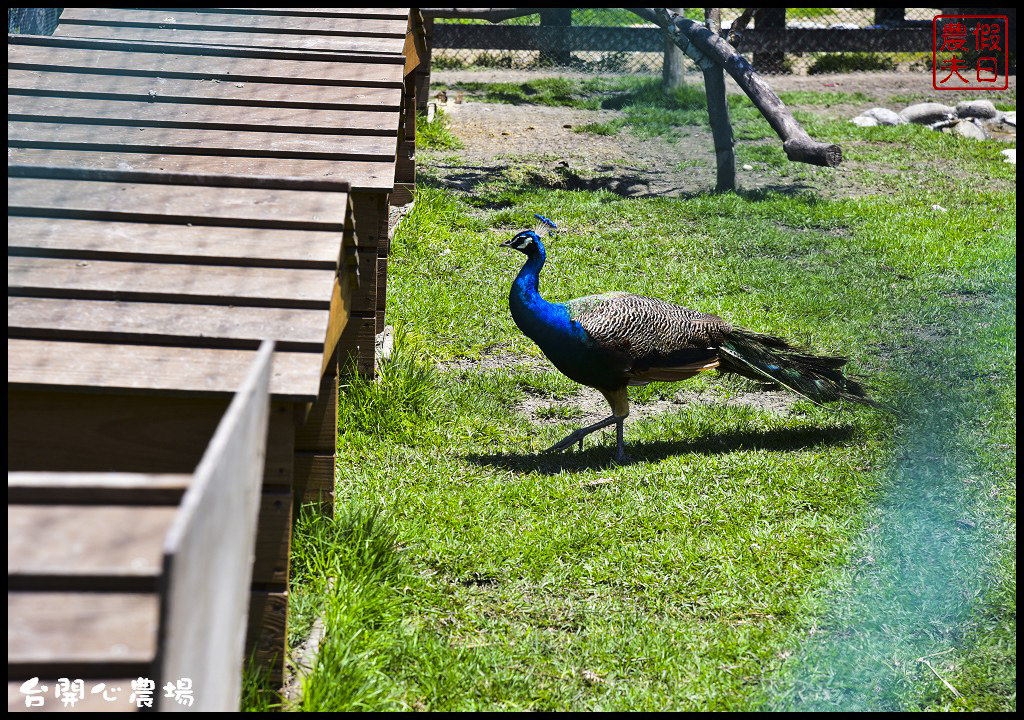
x=506 y=243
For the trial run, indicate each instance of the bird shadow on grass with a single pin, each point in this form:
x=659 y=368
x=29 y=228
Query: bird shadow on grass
x=598 y=457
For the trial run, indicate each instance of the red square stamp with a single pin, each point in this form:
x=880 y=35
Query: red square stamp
x=970 y=52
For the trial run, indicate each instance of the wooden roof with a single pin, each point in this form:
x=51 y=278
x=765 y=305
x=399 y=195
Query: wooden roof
x=177 y=107
x=156 y=282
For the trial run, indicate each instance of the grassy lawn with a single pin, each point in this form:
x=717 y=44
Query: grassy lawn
x=751 y=555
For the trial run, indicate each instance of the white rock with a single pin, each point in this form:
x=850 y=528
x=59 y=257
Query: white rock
x=968 y=129
x=884 y=116
x=927 y=113
x=983 y=109
x=1011 y=156
x=748 y=167
x=1010 y=118
x=939 y=208
x=864 y=121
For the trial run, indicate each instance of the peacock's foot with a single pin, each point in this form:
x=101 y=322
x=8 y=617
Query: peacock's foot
x=569 y=440
x=577 y=437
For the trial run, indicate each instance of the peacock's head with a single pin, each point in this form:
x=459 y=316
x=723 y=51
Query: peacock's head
x=528 y=240
x=524 y=242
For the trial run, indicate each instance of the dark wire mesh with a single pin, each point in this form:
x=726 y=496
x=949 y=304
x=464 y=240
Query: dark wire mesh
x=33 y=21
x=616 y=40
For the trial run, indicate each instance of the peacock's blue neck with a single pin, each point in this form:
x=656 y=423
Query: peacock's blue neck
x=562 y=340
x=543 y=322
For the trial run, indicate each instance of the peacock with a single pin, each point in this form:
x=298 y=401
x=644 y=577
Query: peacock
x=616 y=339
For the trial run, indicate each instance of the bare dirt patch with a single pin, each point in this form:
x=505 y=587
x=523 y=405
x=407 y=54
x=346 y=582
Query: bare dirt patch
x=499 y=137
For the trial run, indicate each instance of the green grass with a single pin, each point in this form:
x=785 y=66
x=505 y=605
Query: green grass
x=745 y=558
x=436 y=135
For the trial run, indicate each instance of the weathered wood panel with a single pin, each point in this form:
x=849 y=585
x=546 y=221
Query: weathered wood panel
x=209 y=551
x=85 y=547
x=302 y=209
x=83 y=487
x=365 y=175
x=214 y=35
x=240 y=143
x=134 y=113
x=165 y=323
x=81 y=635
x=205 y=244
x=170 y=282
x=60 y=82
x=154 y=368
x=109 y=432
x=179 y=61
x=357 y=25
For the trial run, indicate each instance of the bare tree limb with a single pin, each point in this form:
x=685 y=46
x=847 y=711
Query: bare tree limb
x=708 y=50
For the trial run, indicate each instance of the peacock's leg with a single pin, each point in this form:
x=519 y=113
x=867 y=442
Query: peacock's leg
x=578 y=436
x=620 y=452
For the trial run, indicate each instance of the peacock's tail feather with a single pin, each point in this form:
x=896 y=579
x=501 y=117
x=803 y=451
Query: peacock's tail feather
x=818 y=378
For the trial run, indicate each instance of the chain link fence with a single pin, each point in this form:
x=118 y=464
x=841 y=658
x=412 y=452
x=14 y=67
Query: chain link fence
x=614 y=40
x=33 y=21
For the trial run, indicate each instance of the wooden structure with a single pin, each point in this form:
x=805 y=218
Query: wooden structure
x=151 y=578
x=182 y=185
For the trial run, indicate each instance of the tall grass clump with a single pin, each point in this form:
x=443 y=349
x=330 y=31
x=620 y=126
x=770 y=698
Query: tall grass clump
x=401 y=399
x=351 y=567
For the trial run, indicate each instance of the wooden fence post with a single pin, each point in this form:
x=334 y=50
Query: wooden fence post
x=770 y=19
x=559 y=51
x=718 y=113
x=672 y=67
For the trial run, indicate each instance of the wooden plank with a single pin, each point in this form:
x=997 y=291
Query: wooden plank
x=369 y=176
x=273 y=539
x=352 y=24
x=157 y=59
x=113 y=488
x=81 y=635
x=85 y=547
x=357 y=343
x=393 y=13
x=314 y=480
x=246 y=143
x=151 y=369
x=304 y=209
x=49 y=430
x=268 y=631
x=209 y=552
x=107 y=44
x=170 y=282
x=154 y=113
x=217 y=36
x=214 y=245
x=58 y=81
x=279 y=470
x=166 y=324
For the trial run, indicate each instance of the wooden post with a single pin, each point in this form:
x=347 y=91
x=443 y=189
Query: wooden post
x=770 y=19
x=718 y=113
x=672 y=66
x=559 y=51
x=890 y=16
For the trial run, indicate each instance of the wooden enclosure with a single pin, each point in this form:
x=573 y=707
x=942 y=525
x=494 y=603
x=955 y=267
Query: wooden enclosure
x=112 y=577
x=181 y=186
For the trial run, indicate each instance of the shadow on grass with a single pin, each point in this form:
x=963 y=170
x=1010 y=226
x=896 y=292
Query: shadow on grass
x=603 y=456
x=491 y=188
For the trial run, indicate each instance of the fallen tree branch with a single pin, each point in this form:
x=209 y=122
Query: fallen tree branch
x=708 y=49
